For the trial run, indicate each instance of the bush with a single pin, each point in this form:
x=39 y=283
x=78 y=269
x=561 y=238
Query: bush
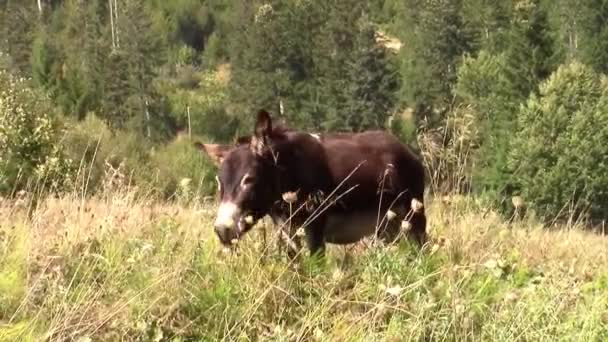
x=81 y=143
x=29 y=132
x=179 y=169
x=446 y=151
x=404 y=128
x=559 y=152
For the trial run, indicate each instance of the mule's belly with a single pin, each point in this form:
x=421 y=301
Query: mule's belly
x=350 y=228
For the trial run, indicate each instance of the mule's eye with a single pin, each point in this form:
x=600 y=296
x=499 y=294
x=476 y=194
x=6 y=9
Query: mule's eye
x=247 y=180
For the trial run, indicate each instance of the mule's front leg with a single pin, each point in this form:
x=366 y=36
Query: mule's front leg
x=315 y=238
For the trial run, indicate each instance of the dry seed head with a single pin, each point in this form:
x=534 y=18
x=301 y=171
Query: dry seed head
x=416 y=205
x=185 y=182
x=249 y=219
x=318 y=334
x=390 y=215
x=290 y=197
x=406 y=225
x=511 y=297
x=517 y=201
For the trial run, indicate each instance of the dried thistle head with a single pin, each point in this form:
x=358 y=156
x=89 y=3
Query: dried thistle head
x=517 y=201
x=290 y=197
x=416 y=205
x=249 y=219
x=390 y=215
x=406 y=225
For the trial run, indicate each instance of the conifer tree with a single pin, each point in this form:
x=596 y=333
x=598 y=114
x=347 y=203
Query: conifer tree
x=435 y=39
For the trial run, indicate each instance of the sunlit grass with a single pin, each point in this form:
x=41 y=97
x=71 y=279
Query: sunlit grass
x=119 y=268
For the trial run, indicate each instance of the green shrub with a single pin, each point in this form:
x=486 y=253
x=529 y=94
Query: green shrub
x=179 y=169
x=29 y=132
x=97 y=151
x=86 y=143
x=559 y=152
x=404 y=129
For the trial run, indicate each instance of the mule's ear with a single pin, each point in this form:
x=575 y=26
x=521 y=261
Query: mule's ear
x=263 y=124
x=217 y=152
x=262 y=132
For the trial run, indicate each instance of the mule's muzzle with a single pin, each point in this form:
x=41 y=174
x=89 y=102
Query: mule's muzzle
x=226 y=233
x=229 y=231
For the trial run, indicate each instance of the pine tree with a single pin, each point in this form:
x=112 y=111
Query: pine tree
x=486 y=21
x=84 y=48
x=497 y=83
x=435 y=39
x=359 y=84
x=580 y=31
x=272 y=58
x=19 y=21
x=558 y=152
x=133 y=67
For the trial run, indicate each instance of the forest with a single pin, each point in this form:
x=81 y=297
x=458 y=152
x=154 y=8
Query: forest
x=502 y=98
x=105 y=202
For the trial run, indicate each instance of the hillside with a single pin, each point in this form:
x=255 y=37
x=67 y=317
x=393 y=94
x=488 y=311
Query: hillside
x=114 y=268
x=106 y=204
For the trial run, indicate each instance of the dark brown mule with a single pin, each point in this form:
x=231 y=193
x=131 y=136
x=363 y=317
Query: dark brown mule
x=342 y=186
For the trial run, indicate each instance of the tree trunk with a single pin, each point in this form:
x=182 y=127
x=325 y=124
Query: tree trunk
x=116 y=20
x=112 y=24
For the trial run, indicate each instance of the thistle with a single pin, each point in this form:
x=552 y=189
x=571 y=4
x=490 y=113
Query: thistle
x=416 y=205
x=290 y=197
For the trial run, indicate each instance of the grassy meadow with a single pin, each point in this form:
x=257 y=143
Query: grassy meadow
x=116 y=268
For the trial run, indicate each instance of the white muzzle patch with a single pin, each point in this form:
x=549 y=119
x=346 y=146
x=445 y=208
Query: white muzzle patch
x=225 y=215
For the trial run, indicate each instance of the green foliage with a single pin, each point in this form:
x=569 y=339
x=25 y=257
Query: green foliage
x=358 y=82
x=435 y=38
x=558 y=157
x=199 y=104
x=320 y=60
x=580 y=29
x=179 y=169
x=29 y=132
x=88 y=144
x=142 y=66
x=404 y=129
x=496 y=82
x=483 y=84
x=18 y=22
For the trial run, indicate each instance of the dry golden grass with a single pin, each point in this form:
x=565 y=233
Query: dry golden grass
x=119 y=268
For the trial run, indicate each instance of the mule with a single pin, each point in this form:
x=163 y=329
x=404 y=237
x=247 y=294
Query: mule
x=338 y=187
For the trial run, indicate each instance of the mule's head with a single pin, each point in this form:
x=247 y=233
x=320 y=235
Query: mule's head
x=247 y=179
